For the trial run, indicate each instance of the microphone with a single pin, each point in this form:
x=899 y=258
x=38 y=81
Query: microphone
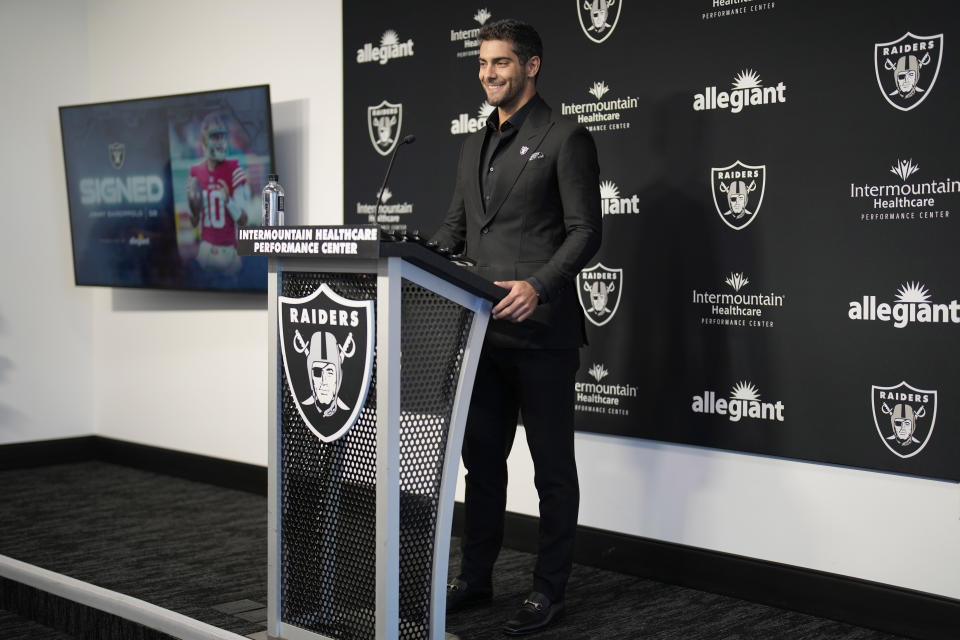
x=408 y=139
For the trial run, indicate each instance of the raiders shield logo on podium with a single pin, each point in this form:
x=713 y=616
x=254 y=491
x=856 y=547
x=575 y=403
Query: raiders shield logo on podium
x=327 y=343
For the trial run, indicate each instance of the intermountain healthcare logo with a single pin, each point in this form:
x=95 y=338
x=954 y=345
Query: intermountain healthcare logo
x=912 y=305
x=600 y=289
x=738 y=193
x=389 y=212
x=611 y=204
x=383 y=124
x=744 y=402
x=465 y=124
x=904 y=417
x=747 y=91
x=904 y=201
x=601 y=115
x=390 y=48
x=469 y=37
x=737 y=309
x=607 y=398
x=901 y=64
x=725 y=8
x=327 y=342
x=598 y=18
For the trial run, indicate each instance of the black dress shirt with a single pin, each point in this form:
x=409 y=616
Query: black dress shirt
x=499 y=139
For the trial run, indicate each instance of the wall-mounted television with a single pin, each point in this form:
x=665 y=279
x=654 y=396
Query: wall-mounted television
x=157 y=188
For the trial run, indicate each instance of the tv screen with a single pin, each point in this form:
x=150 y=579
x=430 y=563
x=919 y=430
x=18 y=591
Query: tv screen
x=157 y=188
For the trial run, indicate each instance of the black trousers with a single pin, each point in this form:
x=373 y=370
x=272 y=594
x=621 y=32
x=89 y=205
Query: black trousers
x=537 y=385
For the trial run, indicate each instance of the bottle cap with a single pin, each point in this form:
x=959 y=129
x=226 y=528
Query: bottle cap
x=273 y=177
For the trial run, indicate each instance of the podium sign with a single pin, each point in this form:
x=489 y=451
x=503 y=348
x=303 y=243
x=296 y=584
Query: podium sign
x=371 y=367
x=298 y=242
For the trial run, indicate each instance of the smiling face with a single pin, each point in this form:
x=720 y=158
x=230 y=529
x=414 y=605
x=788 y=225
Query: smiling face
x=507 y=83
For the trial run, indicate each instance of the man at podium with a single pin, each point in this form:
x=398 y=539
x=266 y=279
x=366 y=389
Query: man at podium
x=530 y=218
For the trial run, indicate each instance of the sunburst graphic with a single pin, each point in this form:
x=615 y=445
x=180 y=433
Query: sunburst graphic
x=744 y=390
x=609 y=190
x=737 y=281
x=913 y=292
x=598 y=371
x=598 y=89
x=482 y=16
x=904 y=169
x=485 y=110
x=388 y=38
x=386 y=195
x=747 y=79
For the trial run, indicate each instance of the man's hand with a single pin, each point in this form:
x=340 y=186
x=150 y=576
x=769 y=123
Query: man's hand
x=518 y=304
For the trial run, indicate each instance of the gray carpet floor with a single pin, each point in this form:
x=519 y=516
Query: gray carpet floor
x=13 y=626
x=201 y=550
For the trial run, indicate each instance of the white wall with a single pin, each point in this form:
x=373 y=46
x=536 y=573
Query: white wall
x=183 y=371
x=46 y=386
x=883 y=527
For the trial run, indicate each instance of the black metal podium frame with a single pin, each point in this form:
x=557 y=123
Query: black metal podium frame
x=359 y=528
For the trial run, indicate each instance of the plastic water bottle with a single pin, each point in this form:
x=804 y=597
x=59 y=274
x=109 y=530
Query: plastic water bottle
x=273 y=202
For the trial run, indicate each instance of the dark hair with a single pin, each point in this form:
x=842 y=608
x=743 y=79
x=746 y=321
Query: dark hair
x=524 y=38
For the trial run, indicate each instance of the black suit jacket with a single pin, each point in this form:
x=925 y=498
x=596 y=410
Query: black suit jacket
x=543 y=220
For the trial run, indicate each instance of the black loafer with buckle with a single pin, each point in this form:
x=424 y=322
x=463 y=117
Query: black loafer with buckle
x=461 y=595
x=535 y=614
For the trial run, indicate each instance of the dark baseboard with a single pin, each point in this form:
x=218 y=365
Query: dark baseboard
x=24 y=455
x=895 y=610
x=890 y=609
x=190 y=466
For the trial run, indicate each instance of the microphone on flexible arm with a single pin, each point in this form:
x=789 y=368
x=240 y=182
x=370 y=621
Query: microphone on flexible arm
x=408 y=139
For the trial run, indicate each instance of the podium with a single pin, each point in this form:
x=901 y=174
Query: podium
x=360 y=516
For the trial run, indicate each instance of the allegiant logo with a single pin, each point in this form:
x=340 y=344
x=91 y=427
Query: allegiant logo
x=744 y=402
x=912 y=305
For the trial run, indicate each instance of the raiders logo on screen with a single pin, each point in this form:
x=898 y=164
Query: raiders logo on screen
x=904 y=417
x=599 y=290
x=598 y=18
x=117 y=151
x=738 y=193
x=907 y=68
x=383 y=124
x=327 y=343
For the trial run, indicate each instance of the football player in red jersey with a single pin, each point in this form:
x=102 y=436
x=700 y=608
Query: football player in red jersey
x=218 y=194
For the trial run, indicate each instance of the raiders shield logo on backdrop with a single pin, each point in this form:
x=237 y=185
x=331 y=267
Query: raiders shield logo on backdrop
x=598 y=18
x=383 y=124
x=117 y=154
x=327 y=342
x=904 y=417
x=907 y=68
x=599 y=290
x=738 y=193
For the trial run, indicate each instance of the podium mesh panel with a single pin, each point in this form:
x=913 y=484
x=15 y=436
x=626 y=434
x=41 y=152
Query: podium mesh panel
x=434 y=334
x=328 y=490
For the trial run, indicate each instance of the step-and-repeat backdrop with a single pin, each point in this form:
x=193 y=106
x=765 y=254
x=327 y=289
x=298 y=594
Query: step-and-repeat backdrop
x=780 y=185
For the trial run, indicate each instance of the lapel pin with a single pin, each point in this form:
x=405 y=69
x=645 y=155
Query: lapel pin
x=523 y=150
